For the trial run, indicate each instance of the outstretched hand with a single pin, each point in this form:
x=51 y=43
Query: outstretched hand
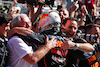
x=68 y=44
x=50 y=43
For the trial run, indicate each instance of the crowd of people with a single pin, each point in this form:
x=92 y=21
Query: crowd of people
x=61 y=38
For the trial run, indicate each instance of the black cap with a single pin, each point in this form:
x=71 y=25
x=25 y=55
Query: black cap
x=4 y=18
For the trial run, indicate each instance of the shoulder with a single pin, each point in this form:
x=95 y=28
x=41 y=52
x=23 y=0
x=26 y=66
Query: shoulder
x=15 y=39
x=16 y=42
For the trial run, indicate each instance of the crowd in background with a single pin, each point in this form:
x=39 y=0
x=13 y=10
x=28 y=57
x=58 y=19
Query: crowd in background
x=80 y=21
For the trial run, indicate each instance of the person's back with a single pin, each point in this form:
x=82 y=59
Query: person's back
x=51 y=28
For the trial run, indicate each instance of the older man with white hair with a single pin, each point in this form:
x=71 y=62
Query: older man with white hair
x=21 y=53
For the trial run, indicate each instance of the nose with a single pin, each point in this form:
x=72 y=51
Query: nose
x=72 y=30
x=28 y=25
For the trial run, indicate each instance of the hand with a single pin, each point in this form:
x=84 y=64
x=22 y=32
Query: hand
x=84 y=10
x=74 y=6
x=50 y=43
x=68 y=44
x=23 y=31
x=19 y=30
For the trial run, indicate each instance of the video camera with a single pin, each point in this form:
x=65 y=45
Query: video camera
x=87 y=37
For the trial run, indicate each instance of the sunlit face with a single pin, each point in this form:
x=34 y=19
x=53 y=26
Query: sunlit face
x=13 y=11
x=98 y=22
x=25 y=22
x=3 y=29
x=63 y=13
x=70 y=28
x=96 y=30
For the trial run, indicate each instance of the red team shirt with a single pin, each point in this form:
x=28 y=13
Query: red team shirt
x=89 y=4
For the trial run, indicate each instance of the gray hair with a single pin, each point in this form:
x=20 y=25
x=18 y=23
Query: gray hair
x=17 y=19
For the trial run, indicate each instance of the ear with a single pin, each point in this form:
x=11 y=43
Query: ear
x=10 y=23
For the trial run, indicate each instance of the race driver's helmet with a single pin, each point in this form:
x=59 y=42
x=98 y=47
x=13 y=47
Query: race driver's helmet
x=49 y=22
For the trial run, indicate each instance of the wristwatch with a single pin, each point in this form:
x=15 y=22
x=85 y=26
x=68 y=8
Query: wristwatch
x=77 y=46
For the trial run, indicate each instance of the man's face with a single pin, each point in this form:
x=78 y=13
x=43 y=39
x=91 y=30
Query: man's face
x=98 y=22
x=63 y=13
x=70 y=28
x=96 y=31
x=25 y=22
x=3 y=29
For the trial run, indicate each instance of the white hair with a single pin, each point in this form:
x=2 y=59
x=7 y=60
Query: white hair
x=17 y=19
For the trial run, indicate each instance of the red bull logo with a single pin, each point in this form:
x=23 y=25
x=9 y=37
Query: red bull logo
x=59 y=43
x=43 y=16
x=60 y=51
x=43 y=22
x=92 y=59
x=95 y=65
